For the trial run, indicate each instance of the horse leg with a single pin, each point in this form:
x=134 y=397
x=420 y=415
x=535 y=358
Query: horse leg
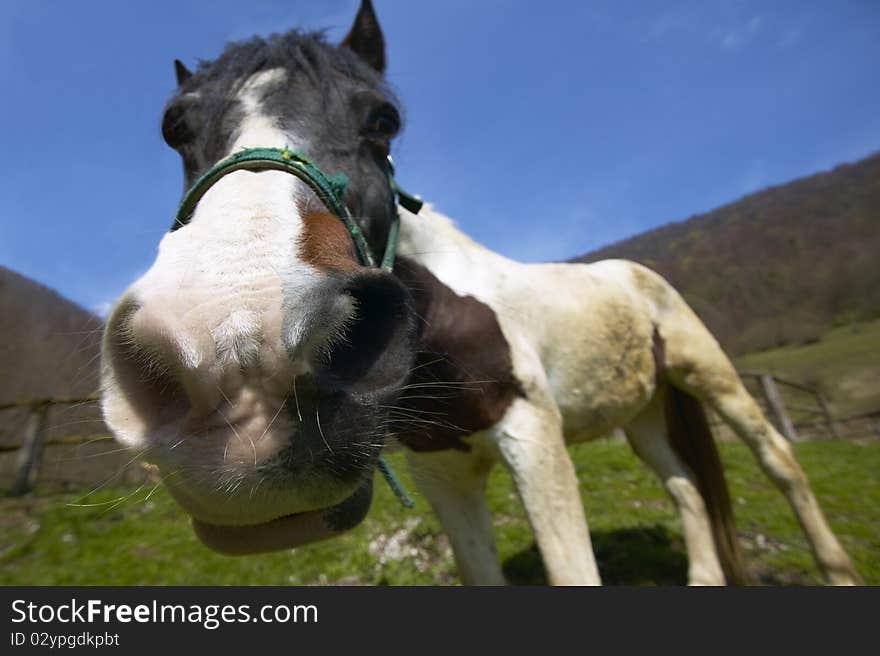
x=532 y=447
x=455 y=485
x=647 y=434
x=697 y=365
x=776 y=458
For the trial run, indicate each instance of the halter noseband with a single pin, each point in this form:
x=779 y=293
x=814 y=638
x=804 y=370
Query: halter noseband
x=330 y=190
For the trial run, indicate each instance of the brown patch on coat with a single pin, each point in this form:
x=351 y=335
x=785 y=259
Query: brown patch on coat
x=326 y=244
x=462 y=380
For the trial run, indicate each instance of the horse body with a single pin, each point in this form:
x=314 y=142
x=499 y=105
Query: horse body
x=592 y=347
x=578 y=334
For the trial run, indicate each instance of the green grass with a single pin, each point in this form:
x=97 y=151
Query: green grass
x=637 y=535
x=844 y=365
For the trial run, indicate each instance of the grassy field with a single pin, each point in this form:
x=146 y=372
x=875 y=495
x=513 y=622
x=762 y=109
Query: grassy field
x=844 y=365
x=125 y=538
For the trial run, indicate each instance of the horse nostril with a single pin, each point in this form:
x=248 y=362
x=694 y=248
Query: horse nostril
x=374 y=351
x=140 y=361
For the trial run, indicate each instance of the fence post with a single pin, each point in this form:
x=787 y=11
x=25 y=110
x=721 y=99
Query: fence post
x=777 y=406
x=832 y=425
x=31 y=451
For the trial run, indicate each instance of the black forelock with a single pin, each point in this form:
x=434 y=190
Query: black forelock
x=307 y=52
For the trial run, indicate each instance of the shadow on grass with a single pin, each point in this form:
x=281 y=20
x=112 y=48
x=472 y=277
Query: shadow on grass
x=630 y=556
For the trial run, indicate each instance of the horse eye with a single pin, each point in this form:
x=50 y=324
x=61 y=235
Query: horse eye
x=175 y=129
x=383 y=123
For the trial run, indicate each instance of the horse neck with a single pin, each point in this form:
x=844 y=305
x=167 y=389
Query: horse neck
x=434 y=241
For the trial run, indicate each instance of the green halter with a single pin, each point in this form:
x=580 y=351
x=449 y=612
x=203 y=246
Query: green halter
x=330 y=189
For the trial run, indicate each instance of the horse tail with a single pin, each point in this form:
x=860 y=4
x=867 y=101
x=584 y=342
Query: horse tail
x=691 y=438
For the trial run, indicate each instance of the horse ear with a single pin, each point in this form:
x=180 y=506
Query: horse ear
x=182 y=72
x=365 y=37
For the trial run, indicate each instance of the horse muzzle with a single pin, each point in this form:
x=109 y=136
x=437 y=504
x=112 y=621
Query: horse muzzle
x=268 y=435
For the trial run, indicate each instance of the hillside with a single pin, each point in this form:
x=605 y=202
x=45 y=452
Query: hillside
x=49 y=347
x=781 y=266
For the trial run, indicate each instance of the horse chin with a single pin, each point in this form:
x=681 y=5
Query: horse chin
x=255 y=501
x=289 y=531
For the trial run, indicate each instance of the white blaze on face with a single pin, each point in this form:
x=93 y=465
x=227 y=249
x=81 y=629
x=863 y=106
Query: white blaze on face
x=233 y=256
x=223 y=307
x=258 y=130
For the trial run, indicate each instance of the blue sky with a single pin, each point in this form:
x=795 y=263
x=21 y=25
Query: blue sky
x=546 y=129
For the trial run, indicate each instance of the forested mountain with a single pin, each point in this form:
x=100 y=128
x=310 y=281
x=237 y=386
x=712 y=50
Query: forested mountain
x=779 y=266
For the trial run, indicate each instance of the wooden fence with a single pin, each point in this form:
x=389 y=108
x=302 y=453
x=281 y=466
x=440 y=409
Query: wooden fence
x=812 y=416
x=30 y=451
x=780 y=412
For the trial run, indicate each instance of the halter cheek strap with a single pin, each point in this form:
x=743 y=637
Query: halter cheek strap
x=331 y=190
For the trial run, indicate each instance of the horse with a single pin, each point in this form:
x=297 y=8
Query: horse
x=263 y=366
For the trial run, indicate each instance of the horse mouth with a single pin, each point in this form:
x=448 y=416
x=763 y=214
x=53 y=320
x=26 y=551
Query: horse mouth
x=288 y=531
x=284 y=532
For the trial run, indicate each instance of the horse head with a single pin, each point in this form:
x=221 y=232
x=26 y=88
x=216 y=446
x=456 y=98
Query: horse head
x=254 y=362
